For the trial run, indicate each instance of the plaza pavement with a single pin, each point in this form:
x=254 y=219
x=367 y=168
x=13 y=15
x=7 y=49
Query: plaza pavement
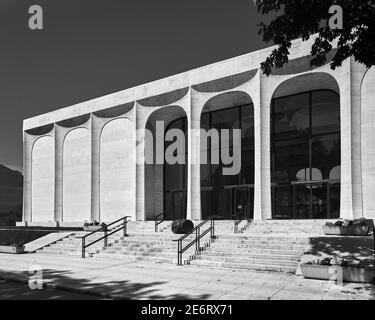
x=139 y=280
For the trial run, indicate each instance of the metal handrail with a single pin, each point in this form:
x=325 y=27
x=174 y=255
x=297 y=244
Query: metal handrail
x=157 y=222
x=196 y=240
x=106 y=234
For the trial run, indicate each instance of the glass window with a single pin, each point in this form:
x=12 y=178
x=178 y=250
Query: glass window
x=291 y=116
x=325 y=112
x=305 y=147
x=218 y=189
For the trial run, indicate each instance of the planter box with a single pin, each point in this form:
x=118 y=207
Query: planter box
x=12 y=249
x=346 y=230
x=350 y=274
x=92 y=228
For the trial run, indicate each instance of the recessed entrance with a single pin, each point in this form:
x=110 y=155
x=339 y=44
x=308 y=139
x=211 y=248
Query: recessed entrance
x=228 y=196
x=305 y=155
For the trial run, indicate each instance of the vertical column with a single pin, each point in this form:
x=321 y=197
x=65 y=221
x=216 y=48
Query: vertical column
x=96 y=127
x=140 y=164
x=346 y=194
x=257 y=152
x=357 y=73
x=263 y=148
x=27 y=192
x=59 y=144
x=194 y=142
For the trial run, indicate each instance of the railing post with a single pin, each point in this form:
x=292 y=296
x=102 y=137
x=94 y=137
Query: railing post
x=196 y=240
x=213 y=228
x=83 y=247
x=179 y=253
x=105 y=239
x=125 y=228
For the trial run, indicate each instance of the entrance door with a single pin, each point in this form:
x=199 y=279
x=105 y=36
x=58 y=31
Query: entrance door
x=241 y=201
x=314 y=199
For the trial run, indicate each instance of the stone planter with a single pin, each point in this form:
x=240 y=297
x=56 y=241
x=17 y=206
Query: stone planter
x=12 y=249
x=349 y=274
x=91 y=228
x=346 y=230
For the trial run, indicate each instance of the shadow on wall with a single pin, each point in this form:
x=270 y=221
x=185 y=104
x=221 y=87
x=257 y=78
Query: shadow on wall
x=356 y=249
x=125 y=290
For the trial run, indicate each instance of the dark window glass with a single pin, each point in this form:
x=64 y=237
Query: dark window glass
x=291 y=116
x=325 y=112
x=175 y=182
x=305 y=155
x=222 y=194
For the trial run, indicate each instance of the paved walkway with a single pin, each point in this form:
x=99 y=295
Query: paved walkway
x=130 y=280
x=19 y=291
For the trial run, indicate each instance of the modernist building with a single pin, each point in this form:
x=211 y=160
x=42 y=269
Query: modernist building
x=307 y=146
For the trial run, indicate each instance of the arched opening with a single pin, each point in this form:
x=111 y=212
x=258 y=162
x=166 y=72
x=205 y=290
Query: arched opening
x=43 y=179
x=165 y=168
x=305 y=148
x=230 y=196
x=117 y=177
x=77 y=176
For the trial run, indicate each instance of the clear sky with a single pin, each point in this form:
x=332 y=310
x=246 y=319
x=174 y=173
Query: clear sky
x=90 y=48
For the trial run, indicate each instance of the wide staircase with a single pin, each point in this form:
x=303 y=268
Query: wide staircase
x=262 y=246
x=273 y=245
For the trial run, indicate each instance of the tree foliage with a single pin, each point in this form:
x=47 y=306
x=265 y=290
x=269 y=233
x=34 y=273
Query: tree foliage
x=303 y=18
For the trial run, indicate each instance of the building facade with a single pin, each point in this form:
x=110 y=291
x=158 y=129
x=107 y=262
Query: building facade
x=306 y=146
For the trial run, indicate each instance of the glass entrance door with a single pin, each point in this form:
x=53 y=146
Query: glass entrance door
x=241 y=201
x=315 y=199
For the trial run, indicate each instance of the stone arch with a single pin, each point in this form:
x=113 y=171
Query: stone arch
x=77 y=176
x=43 y=179
x=305 y=138
x=227 y=195
x=158 y=197
x=117 y=170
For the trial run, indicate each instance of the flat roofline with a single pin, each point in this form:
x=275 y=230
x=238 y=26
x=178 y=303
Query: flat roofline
x=210 y=72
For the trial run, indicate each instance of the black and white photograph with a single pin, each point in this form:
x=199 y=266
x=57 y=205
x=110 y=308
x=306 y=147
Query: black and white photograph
x=187 y=156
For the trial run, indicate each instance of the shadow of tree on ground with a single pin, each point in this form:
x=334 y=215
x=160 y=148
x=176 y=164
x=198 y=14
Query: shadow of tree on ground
x=359 y=250
x=125 y=289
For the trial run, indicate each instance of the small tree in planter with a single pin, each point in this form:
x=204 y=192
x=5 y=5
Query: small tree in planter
x=358 y=227
x=330 y=269
x=94 y=225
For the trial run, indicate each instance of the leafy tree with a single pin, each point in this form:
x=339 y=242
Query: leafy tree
x=303 y=18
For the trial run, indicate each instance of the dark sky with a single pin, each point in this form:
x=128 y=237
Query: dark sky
x=90 y=48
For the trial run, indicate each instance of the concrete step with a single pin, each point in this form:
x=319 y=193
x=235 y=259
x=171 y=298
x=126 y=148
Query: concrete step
x=244 y=266
x=250 y=255
x=226 y=251
x=239 y=260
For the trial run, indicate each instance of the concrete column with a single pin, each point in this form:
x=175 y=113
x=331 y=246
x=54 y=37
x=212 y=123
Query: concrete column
x=59 y=142
x=194 y=182
x=357 y=73
x=96 y=127
x=140 y=165
x=262 y=117
x=28 y=141
x=346 y=194
x=189 y=157
x=367 y=142
x=256 y=97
